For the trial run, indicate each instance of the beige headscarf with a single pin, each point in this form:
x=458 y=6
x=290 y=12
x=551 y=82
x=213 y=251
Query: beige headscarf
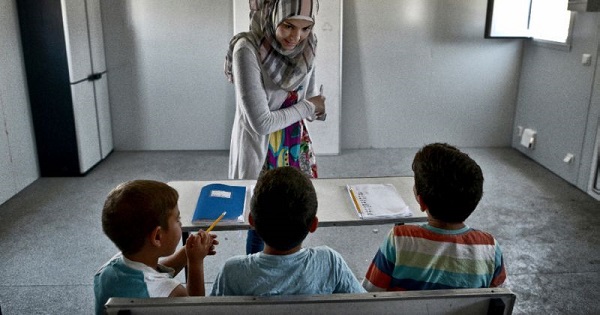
x=287 y=69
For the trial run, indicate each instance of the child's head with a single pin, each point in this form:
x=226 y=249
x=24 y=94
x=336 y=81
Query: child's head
x=283 y=207
x=135 y=209
x=448 y=181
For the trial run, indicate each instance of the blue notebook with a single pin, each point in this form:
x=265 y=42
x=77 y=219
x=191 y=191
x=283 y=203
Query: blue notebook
x=216 y=198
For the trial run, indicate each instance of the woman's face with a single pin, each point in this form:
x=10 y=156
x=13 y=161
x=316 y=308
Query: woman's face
x=292 y=32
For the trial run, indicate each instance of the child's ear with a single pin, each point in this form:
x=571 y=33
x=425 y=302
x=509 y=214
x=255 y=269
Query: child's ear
x=250 y=219
x=313 y=225
x=421 y=203
x=155 y=236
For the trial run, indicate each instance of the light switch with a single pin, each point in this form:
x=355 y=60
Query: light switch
x=586 y=59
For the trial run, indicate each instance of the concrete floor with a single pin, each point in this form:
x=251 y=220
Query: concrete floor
x=52 y=242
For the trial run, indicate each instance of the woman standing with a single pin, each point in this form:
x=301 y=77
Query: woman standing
x=272 y=68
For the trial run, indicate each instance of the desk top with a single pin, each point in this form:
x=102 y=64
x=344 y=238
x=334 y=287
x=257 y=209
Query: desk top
x=335 y=206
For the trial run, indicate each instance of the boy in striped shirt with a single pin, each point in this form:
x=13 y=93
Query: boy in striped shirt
x=445 y=253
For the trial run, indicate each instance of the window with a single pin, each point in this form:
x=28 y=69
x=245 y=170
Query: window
x=550 y=20
x=544 y=21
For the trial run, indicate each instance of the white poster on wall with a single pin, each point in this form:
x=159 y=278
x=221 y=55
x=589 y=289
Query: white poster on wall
x=328 y=28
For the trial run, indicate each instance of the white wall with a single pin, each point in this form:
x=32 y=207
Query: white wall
x=414 y=71
x=18 y=161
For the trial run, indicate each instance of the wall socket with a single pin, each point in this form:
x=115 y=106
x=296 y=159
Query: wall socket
x=519 y=131
x=586 y=59
x=569 y=158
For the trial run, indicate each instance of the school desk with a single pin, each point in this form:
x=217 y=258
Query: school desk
x=335 y=205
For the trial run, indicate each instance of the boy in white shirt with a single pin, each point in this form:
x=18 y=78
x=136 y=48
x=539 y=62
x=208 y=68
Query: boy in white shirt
x=142 y=218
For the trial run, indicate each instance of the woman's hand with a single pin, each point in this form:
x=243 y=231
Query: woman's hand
x=319 y=102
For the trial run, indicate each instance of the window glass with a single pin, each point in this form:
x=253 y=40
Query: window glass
x=507 y=18
x=547 y=21
x=550 y=20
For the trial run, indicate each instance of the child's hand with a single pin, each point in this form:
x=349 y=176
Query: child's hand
x=212 y=250
x=198 y=246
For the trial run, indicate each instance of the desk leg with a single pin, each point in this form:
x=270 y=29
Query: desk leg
x=184 y=236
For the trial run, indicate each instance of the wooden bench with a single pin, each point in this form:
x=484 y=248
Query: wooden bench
x=461 y=301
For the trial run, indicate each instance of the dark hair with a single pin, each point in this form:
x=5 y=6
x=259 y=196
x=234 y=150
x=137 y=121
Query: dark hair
x=283 y=206
x=449 y=182
x=135 y=208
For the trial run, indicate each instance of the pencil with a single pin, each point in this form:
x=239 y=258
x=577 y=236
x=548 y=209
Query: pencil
x=356 y=204
x=212 y=226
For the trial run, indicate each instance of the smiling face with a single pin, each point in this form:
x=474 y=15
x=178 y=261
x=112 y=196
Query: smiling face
x=292 y=32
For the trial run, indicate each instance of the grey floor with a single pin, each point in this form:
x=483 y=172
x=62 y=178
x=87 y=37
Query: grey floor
x=52 y=241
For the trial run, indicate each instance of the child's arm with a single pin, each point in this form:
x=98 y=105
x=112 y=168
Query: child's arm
x=178 y=260
x=381 y=269
x=500 y=271
x=197 y=247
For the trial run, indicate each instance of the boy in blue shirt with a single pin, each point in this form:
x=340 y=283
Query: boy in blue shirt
x=283 y=212
x=142 y=218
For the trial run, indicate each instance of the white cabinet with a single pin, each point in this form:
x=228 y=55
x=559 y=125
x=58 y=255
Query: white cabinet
x=63 y=48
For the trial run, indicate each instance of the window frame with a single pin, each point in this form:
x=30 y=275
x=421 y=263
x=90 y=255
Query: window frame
x=523 y=30
x=566 y=46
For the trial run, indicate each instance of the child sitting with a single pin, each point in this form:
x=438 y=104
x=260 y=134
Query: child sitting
x=283 y=212
x=444 y=253
x=141 y=217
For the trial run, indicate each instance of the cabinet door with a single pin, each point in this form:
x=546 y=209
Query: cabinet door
x=76 y=39
x=86 y=125
x=103 y=110
x=96 y=36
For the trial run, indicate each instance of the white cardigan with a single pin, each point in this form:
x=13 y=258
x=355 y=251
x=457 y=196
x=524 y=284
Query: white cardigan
x=257 y=112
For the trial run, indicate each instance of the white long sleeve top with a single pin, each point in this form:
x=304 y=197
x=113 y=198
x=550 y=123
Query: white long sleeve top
x=258 y=113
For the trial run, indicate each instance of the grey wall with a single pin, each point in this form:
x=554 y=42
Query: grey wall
x=165 y=73
x=413 y=72
x=555 y=99
x=18 y=162
x=421 y=71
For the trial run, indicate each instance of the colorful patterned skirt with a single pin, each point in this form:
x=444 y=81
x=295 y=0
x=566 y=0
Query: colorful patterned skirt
x=292 y=145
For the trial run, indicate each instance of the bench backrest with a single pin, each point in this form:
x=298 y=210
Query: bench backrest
x=462 y=301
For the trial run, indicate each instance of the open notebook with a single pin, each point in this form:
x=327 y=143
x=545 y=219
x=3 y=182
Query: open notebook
x=373 y=201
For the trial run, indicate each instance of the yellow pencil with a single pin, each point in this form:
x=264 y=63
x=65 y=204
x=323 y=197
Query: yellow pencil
x=212 y=226
x=355 y=200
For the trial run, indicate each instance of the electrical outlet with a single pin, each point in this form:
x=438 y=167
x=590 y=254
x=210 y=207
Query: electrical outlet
x=586 y=59
x=520 y=131
x=569 y=158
